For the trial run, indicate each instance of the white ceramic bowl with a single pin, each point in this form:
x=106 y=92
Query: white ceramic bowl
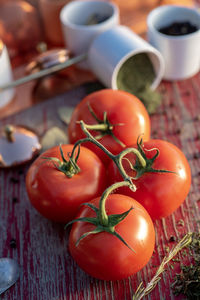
x=111 y=49
x=181 y=53
x=74 y=16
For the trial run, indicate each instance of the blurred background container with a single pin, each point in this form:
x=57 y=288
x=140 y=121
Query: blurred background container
x=50 y=15
x=25 y=23
x=20 y=28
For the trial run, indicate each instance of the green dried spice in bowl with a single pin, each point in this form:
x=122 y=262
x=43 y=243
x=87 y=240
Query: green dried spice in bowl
x=136 y=76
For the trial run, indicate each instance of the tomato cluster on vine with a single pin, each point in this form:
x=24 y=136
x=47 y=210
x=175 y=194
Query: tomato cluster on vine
x=110 y=183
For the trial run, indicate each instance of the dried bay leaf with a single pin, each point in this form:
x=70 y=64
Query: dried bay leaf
x=65 y=113
x=54 y=137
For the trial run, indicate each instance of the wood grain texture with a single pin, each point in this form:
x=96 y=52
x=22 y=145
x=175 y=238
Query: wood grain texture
x=47 y=270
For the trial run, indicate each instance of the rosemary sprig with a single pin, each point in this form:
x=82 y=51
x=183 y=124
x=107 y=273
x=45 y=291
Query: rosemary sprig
x=141 y=291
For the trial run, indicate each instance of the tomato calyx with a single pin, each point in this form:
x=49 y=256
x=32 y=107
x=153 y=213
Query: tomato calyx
x=104 y=127
x=148 y=166
x=102 y=221
x=68 y=167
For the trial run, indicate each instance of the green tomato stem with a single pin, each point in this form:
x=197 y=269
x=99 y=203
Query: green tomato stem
x=103 y=217
x=101 y=127
x=68 y=167
x=116 y=158
x=91 y=139
x=104 y=222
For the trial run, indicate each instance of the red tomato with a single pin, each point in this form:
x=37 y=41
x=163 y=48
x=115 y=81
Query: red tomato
x=103 y=255
x=159 y=193
x=124 y=111
x=58 y=197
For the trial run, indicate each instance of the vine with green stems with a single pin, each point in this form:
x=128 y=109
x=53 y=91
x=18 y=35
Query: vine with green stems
x=102 y=221
x=70 y=167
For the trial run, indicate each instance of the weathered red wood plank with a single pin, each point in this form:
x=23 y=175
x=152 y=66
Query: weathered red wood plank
x=48 y=271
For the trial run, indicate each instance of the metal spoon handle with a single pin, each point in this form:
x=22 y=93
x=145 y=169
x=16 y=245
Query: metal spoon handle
x=44 y=72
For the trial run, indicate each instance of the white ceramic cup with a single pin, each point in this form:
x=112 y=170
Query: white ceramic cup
x=5 y=76
x=74 y=16
x=181 y=53
x=111 y=49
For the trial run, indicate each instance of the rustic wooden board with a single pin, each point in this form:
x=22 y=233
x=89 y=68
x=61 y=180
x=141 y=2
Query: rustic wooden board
x=47 y=270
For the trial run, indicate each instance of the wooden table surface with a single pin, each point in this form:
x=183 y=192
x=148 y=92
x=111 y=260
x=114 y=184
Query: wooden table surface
x=47 y=269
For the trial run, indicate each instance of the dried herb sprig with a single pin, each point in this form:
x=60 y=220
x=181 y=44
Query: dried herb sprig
x=141 y=291
x=187 y=282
